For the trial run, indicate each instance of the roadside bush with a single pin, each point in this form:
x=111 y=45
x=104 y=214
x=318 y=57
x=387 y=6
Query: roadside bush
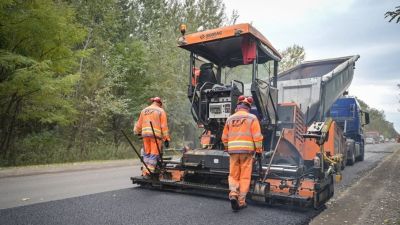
x=48 y=147
x=38 y=148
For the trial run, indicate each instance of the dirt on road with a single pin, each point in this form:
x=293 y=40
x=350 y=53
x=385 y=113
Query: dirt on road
x=374 y=199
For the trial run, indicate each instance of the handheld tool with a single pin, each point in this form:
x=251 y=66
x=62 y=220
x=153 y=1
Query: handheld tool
x=158 y=147
x=137 y=153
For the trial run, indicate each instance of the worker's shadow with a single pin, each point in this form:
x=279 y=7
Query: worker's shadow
x=287 y=207
x=223 y=196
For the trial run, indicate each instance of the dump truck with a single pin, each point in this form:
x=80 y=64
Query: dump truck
x=319 y=88
x=348 y=114
x=295 y=168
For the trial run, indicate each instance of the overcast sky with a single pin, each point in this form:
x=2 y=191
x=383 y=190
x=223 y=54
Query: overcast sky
x=334 y=28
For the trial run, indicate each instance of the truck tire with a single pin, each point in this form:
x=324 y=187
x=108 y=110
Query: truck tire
x=362 y=150
x=357 y=151
x=352 y=158
x=350 y=151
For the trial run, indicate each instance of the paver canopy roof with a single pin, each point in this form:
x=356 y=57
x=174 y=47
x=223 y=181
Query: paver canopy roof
x=224 y=46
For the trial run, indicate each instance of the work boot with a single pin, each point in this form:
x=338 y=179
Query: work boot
x=244 y=205
x=242 y=201
x=234 y=203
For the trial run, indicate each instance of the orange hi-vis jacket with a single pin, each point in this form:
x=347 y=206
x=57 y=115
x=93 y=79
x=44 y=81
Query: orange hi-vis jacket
x=242 y=133
x=157 y=116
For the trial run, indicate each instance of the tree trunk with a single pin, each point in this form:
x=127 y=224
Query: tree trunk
x=116 y=128
x=72 y=137
x=5 y=126
x=82 y=133
x=9 y=139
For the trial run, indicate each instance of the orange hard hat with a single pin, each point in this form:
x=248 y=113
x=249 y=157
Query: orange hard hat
x=156 y=99
x=245 y=100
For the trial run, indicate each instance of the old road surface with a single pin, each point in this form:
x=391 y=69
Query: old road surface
x=106 y=196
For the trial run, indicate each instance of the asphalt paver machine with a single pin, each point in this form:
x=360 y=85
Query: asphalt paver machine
x=283 y=173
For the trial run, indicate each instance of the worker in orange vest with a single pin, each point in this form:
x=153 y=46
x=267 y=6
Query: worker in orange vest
x=242 y=138
x=195 y=77
x=158 y=118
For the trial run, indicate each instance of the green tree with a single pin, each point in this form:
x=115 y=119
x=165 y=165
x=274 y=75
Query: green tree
x=393 y=15
x=37 y=56
x=75 y=72
x=157 y=23
x=291 y=57
x=378 y=121
x=115 y=64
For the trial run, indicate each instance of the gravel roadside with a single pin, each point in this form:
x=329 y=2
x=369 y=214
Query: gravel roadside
x=373 y=199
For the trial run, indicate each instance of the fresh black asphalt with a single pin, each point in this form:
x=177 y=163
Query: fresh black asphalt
x=141 y=206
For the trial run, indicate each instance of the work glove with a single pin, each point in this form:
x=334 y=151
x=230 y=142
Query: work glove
x=258 y=155
x=166 y=144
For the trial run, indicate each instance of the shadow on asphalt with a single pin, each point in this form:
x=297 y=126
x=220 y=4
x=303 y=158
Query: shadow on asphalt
x=224 y=197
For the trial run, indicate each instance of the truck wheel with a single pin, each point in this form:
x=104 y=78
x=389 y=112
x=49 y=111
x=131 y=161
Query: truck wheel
x=350 y=151
x=352 y=158
x=361 y=156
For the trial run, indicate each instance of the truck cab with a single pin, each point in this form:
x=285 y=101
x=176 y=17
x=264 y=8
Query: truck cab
x=347 y=113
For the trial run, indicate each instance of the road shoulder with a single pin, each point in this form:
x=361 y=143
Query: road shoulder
x=373 y=199
x=64 y=167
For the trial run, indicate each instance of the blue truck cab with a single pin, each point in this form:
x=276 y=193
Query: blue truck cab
x=347 y=113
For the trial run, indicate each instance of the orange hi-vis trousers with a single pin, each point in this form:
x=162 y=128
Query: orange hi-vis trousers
x=240 y=169
x=150 y=155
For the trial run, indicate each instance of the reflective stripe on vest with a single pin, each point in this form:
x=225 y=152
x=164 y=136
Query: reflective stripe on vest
x=148 y=132
x=241 y=145
x=239 y=138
